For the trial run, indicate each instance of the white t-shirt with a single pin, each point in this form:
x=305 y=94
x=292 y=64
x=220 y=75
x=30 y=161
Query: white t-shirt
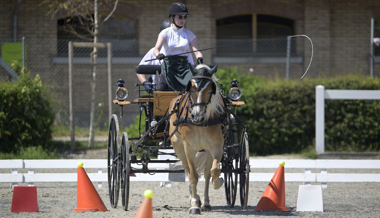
x=149 y=56
x=178 y=41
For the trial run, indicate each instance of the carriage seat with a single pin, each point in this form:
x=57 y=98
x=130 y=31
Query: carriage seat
x=148 y=69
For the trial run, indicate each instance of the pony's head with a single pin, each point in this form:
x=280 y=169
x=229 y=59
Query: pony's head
x=204 y=103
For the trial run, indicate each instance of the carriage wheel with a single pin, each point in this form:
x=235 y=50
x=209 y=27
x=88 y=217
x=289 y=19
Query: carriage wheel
x=113 y=161
x=231 y=177
x=125 y=171
x=230 y=182
x=244 y=176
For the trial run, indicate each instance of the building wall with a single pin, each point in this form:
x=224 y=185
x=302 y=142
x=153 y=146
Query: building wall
x=351 y=31
x=340 y=31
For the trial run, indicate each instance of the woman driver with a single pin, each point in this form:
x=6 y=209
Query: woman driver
x=176 y=40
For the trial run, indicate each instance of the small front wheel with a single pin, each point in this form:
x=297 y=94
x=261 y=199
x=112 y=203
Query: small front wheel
x=125 y=171
x=244 y=176
x=230 y=181
x=113 y=161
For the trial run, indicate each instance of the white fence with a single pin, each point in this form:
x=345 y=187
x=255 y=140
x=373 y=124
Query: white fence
x=321 y=95
x=308 y=173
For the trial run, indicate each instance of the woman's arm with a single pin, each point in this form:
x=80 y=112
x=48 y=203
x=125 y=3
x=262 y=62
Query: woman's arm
x=141 y=77
x=159 y=44
x=194 y=46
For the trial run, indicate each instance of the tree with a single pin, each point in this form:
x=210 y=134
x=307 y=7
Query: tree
x=82 y=21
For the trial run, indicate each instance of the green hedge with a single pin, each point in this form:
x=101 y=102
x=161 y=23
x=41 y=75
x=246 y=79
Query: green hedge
x=281 y=114
x=26 y=114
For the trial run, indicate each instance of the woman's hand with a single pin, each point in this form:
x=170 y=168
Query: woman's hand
x=160 y=56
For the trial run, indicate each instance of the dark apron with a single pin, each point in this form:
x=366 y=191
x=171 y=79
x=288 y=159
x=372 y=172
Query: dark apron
x=176 y=71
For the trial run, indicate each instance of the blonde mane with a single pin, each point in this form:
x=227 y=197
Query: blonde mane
x=215 y=108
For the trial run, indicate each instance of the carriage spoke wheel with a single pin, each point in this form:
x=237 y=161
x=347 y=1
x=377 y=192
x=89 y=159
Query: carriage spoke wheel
x=125 y=171
x=244 y=176
x=230 y=182
x=230 y=164
x=113 y=161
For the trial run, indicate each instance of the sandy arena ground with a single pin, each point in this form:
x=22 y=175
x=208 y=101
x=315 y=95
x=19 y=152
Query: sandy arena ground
x=60 y=200
x=340 y=200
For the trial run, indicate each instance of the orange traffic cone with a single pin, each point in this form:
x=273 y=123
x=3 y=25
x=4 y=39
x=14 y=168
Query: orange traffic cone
x=146 y=209
x=274 y=196
x=88 y=199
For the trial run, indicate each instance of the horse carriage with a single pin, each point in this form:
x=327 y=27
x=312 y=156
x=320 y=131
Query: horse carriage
x=199 y=123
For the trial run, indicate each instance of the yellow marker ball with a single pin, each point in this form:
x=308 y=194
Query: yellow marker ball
x=148 y=193
x=80 y=164
x=282 y=163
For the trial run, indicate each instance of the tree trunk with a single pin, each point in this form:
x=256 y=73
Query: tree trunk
x=93 y=83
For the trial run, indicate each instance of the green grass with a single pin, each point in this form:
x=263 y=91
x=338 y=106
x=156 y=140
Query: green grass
x=79 y=145
x=310 y=153
x=61 y=131
x=31 y=153
x=58 y=147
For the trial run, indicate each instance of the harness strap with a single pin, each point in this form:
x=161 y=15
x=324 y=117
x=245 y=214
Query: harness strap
x=215 y=121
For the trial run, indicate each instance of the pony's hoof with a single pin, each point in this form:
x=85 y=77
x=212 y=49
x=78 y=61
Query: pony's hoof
x=206 y=208
x=195 y=210
x=199 y=202
x=218 y=184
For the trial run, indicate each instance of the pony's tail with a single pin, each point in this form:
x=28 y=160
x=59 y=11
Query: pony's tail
x=201 y=161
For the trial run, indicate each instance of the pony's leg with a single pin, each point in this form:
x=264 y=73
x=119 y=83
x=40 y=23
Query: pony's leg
x=199 y=203
x=193 y=178
x=207 y=174
x=215 y=169
x=180 y=152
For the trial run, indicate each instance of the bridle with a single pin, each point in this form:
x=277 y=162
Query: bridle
x=187 y=100
x=192 y=104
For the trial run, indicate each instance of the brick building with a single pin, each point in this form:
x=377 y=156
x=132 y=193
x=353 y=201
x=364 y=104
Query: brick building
x=340 y=31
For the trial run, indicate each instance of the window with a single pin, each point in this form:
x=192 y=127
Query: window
x=117 y=28
x=254 y=35
x=120 y=32
x=237 y=27
x=74 y=28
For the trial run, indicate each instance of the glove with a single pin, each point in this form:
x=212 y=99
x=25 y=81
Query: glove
x=160 y=56
x=148 y=86
x=200 y=60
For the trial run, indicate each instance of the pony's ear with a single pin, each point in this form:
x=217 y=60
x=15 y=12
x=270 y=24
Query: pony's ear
x=214 y=69
x=213 y=88
x=193 y=70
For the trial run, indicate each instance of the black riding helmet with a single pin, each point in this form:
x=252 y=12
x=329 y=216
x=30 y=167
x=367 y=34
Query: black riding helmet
x=165 y=24
x=177 y=8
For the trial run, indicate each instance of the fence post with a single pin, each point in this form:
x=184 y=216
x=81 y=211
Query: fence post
x=72 y=126
x=109 y=52
x=371 y=51
x=23 y=53
x=288 y=56
x=320 y=119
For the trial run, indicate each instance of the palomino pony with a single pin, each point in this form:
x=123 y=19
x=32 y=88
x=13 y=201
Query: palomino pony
x=197 y=129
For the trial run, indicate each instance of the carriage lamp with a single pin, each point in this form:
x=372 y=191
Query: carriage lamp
x=121 y=92
x=235 y=92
